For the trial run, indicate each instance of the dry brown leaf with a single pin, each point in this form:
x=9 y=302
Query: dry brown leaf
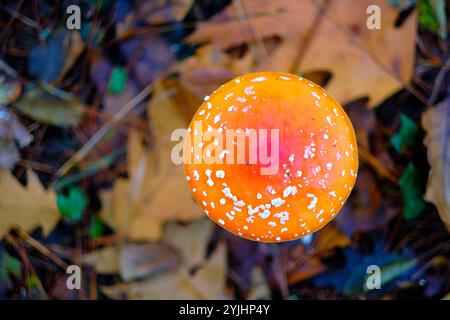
x=28 y=207
x=156 y=190
x=12 y=135
x=259 y=289
x=308 y=266
x=207 y=282
x=162 y=11
x=199 y=75
x=104 y=260
x=145 y=259
x=436 y=122
x=132 y=260
x=309 y=269
x=190 y=241
x=247 y=21
x=373 y=63
x=363 y=62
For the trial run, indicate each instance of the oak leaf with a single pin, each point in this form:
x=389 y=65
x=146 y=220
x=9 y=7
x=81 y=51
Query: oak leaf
x=27 y=207
x=334 y=38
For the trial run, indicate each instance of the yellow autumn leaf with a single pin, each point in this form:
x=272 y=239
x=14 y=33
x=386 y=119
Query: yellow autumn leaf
x=156 y=190
x=27 y=207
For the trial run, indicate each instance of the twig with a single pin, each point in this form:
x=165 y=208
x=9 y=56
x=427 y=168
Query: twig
x=375 y=164
x=81 y=154
x=438 y=82
x=28 y=266
x=41 y=248
x=256 y=36
x=17 y=15
x=303 y=47
x=8 y=69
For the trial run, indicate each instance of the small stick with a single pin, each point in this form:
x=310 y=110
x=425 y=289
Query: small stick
x=41 y=248
x=374 y=163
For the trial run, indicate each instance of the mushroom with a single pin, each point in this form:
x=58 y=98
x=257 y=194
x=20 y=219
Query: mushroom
x=270 y=156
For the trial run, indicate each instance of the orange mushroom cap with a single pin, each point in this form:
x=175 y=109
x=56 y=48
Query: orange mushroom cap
x=270 y=156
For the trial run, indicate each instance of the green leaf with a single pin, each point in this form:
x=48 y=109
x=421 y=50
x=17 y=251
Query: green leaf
x=72 y=205
x=96 y=228
x=393 y=270
x=432 y=16
x=117 y=80
x=406 y=135
x=50 y=105
x=9 y=264
x=412 y=184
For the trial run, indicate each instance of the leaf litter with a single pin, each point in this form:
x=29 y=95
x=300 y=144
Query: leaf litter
x=130 y=206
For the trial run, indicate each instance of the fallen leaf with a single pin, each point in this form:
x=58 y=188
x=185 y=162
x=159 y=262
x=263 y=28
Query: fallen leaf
x=351 y=279
x=133 y=260
x=52 y=60
x=156 y=190
x=412 y=184
x=96 y=227
x=142 y=260
x=185 y=282
x=10 y=89
x=259 y=287
x=330 y=237
x=50 y=105
x=12 y=136
x=74 y=47
x=73 y=204
x=117 y=80
x=383 y=60
x=406 y=135
x=207 y=283
x=305 y=271
x=162 y=11
x=307 y=266
x=28 y=207
x=155 y=12
x=190 y=241
x=9 y=264
x=432 y=16
x=244 y=21
x=340 y=43
x=104 y=260
x=148 y=57
x=199 y=75
x=436 y=122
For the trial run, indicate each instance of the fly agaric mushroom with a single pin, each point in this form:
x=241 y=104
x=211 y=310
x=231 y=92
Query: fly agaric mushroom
x=270 y=156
